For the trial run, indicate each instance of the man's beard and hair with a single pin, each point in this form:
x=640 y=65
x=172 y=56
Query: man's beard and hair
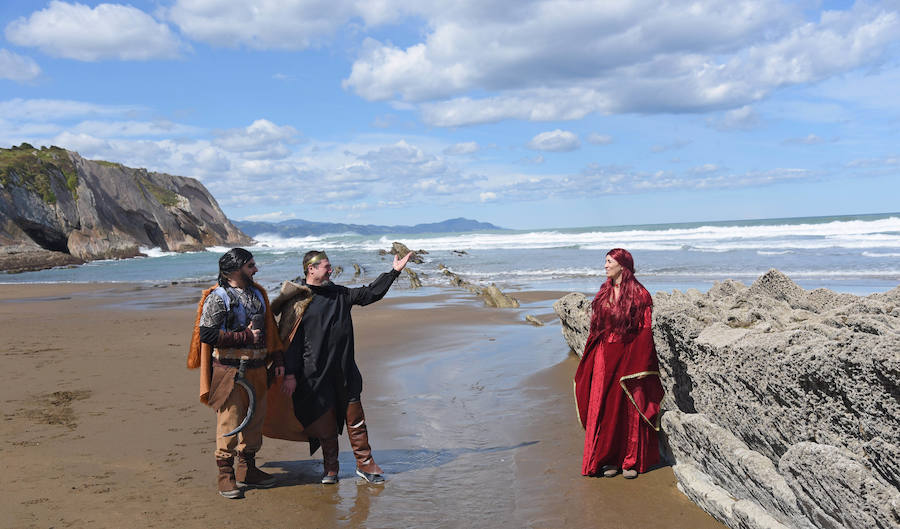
x=233 y=260
x=312 y=257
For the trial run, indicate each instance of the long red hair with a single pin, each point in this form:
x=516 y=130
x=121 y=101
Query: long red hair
x=622 y=316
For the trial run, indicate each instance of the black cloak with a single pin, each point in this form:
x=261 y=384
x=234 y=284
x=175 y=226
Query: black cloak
x=321 y=355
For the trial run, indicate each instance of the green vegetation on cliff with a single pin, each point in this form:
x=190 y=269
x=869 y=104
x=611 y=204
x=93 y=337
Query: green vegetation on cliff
x=104 y=163
x=33 y=169
x=161 y=194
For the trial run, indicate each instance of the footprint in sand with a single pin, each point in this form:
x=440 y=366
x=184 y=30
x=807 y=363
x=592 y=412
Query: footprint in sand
x=54 y=408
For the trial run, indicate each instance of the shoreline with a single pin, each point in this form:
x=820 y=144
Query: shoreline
x=469 y=410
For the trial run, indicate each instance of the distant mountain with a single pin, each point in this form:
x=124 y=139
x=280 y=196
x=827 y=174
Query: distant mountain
x=302 y=228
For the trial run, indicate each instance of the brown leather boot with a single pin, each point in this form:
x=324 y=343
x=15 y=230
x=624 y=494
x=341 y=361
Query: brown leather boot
x=366 y=467
x=227 y=486
x=249 y=476
x=330 y=460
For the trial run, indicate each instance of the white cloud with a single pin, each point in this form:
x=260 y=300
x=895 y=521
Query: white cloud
x=599 y=139
x=108 y=31
x=744 y=118
x=706 y=168
x=84 y=144
x=810 y=139
x=274 y=216
x=467 y=147
x=404 y=161
x=599 y=179
x=487 y=196
x=107 y=129
x=17 y=67
x=262 y=139
x=639 y=56
x=555 y=141
x=266 y=24
x=50 y=109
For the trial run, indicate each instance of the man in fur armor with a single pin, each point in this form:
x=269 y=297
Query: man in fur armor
x=321 y=375
x=235 y=325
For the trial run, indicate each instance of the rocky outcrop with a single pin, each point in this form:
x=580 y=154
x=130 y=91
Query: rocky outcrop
x=494 y=297
x=491 y=295
x=574 y=311
x=54 y=203
x=534 y=320
x=414 y=281
x=399 y=249
x=782 y=405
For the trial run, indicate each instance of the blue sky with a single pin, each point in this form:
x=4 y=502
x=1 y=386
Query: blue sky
x=523 y=113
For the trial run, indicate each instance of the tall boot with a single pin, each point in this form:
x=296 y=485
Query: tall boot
x=330 y=460
x=249 y=476
x=227 y=486
x=366 y=467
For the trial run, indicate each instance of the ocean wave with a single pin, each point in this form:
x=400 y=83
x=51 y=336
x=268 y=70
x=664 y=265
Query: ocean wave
x=876 y=254
x=555 y=273
x=848 y=234
x=848 y=274
x=217 y=249
x=155 y=252
x=779 y=252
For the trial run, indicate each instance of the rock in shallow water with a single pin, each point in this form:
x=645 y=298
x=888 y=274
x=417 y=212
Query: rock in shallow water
x=772 y=369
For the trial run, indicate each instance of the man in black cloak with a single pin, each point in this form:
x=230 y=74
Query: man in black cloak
x=320 y=368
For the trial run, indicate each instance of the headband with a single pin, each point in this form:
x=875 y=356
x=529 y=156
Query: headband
x=315 y=260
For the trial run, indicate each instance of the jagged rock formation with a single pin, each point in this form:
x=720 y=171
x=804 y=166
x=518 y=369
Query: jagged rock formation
x=56 y=207
x=782 y=405
x=494 y=297
x=491 y=295
x=534 y=320
x=400 y=249
x=414 y=281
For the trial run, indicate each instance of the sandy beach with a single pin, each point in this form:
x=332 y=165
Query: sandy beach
x=469 y=409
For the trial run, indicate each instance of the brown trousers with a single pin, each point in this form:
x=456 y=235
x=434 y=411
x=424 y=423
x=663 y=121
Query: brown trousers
x=233 y=411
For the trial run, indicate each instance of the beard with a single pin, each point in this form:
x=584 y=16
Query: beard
x=245 y=277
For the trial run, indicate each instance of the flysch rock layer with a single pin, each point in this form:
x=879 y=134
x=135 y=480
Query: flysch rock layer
x=112 y=212
x=782 y=405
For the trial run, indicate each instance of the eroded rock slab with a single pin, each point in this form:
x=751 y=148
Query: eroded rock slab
x=785 y=399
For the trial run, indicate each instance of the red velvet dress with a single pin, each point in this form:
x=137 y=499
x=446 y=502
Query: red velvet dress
x=618 y=391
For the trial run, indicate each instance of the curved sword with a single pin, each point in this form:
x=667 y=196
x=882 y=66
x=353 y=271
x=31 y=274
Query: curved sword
x=241 y=381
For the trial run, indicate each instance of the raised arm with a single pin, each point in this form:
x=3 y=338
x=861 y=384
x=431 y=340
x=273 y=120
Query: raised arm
x=378 y=288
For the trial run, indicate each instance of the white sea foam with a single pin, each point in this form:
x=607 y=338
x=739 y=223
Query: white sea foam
x=850 y=234
x=155 y=252
x=877 y=254
x=318 y=242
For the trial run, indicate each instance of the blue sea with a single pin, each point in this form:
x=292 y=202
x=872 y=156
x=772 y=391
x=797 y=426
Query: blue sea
x=859 y=254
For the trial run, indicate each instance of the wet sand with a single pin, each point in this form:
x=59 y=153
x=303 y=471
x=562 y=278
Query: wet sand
x=470 y=414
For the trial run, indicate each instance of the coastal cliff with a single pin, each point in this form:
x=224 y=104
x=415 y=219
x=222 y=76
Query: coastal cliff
x=782 y=405
x=57 y=208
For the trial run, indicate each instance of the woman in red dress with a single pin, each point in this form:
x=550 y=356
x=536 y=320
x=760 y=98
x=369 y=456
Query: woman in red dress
x=617 y=386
